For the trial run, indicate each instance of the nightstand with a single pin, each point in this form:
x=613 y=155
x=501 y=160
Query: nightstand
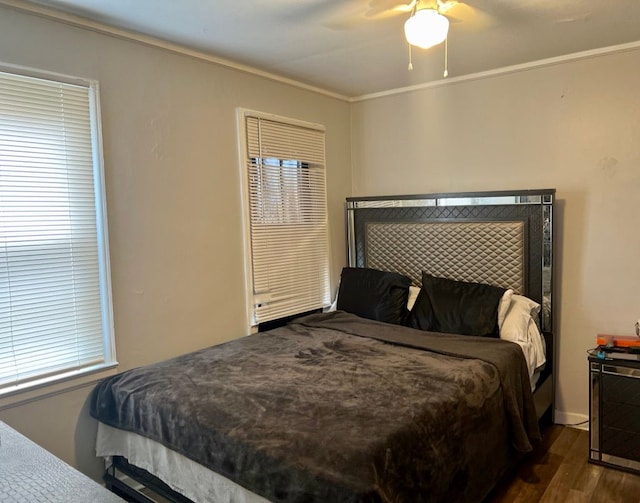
x=614 y=413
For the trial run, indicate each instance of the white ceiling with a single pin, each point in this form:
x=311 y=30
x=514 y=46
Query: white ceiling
x=357 y=47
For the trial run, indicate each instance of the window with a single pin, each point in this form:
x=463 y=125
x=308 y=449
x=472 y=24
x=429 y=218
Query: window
x=285 y=197
x=55 y=299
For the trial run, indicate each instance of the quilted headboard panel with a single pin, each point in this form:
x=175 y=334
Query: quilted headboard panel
x=481 y=252
x=500 y=238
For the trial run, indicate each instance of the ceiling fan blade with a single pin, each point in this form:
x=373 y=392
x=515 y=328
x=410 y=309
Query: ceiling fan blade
x=388 y=8
x=312 y=10
x=376 y=10
x=469 y=17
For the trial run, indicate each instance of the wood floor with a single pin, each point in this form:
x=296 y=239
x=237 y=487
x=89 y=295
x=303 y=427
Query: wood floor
x=558 y=472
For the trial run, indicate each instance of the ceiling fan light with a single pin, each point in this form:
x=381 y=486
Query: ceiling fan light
x=426 y=28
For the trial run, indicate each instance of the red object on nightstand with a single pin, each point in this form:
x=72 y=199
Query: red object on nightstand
x=618 y=341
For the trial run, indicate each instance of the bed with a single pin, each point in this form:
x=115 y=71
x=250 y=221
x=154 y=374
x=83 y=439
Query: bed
x=360 y=404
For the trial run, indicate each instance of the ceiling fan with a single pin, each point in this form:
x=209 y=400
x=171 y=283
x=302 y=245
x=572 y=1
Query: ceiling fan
x=426 y=25
x=345 y=14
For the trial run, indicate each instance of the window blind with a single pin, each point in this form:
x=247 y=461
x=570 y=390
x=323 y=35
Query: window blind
x=286 y=191
x=53 y=314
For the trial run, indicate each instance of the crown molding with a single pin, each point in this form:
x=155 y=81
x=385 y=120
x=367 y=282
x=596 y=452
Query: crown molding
x=632 y=46
x=95 y=26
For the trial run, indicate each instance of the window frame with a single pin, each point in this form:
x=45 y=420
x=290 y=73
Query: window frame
x=11 y=395
x=243 y=154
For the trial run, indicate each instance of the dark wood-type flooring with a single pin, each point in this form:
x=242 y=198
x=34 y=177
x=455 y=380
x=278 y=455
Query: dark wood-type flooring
x=558 y=471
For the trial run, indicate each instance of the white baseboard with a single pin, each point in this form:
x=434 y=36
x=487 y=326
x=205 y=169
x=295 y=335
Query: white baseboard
x=571 y=419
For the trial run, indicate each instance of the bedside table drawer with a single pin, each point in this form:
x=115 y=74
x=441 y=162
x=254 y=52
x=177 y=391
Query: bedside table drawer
x=620 y=443
x=621 y=388
x=621 y=416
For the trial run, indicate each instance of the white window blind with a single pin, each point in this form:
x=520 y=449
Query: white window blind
x=286 y=191
x=55 y=314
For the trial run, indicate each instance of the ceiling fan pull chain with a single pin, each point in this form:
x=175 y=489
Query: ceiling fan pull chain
x=410 y=64
x=446 y=57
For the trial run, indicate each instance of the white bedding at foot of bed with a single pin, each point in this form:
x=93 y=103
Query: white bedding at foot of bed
x=182 y=474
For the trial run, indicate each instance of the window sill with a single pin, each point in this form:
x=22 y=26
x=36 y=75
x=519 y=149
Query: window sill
x=15 y=396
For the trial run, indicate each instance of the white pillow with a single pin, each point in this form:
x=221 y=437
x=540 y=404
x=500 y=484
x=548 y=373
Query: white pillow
x=413 y=295
x=519 y=326
x=503 y=306
x=333 y=306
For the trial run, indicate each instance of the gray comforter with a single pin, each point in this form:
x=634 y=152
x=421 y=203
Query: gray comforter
x=336 y=408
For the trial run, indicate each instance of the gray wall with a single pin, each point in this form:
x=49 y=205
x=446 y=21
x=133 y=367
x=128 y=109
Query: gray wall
x=173 y=199
x=573 y=126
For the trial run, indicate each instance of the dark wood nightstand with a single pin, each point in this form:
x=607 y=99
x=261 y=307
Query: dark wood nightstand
x=614 y=413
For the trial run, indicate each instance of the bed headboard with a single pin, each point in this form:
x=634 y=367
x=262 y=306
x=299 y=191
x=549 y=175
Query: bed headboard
x=501 y=238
